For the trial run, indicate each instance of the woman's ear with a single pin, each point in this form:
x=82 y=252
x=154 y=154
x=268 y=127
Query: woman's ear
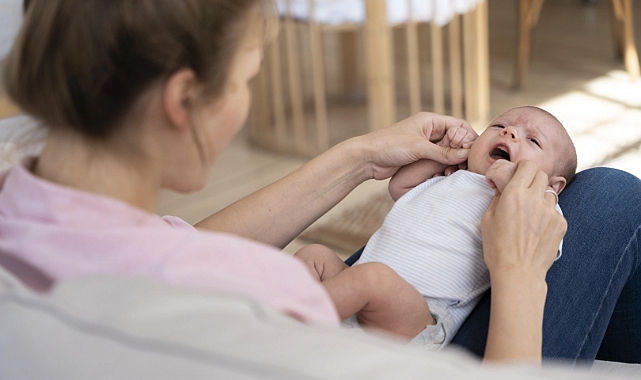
x=558 y=183
x=179 y=96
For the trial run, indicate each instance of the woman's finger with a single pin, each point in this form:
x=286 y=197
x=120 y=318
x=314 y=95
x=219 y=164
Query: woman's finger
x=523 y=176
x=539 y=182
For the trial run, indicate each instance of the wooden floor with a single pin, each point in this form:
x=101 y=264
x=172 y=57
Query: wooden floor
x=573 y=74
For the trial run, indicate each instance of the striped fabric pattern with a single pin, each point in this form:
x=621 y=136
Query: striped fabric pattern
x=432 y=238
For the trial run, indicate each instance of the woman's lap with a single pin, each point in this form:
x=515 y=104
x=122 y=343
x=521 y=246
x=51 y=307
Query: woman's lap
x=600 y=254
x=600 y=264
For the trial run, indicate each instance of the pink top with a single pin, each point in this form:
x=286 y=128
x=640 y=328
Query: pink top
x=67 y=233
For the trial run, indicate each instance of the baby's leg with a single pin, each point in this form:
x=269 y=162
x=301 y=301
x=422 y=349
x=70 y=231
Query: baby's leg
x=380 y=298
x=322 y=261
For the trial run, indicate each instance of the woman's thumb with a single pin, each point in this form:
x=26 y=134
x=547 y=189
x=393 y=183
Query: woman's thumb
x=450 y=156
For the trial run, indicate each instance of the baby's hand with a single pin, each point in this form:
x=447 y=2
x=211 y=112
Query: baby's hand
x=500 y=173
x=457 y=138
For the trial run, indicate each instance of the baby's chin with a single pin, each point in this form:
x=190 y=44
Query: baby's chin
x=478 y=168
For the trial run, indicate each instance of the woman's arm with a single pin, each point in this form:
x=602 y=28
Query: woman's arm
x=521 y=235
x=279 y=212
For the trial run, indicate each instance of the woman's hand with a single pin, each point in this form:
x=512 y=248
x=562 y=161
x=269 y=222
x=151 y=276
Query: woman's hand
x=522 y=229
x=415 y=173
x=521 y=235
x=413 y=139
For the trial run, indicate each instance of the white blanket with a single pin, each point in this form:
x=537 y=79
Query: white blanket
x=333 y=12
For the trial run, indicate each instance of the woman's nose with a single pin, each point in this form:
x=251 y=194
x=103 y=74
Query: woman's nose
x=510 y=132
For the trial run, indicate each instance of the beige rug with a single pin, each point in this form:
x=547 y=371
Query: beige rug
x=350 y=230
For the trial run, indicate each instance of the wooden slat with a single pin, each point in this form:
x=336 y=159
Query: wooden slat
x=295 y=84
x=318 y=70
x=413 y=69
x=380 y=66
x=456 y=79
x=278 y=102
x=348 y=40
x=470 y=61
x=438 y=81
x=483 y=63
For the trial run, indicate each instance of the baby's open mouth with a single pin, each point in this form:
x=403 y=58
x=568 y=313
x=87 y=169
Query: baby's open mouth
x=500 y=153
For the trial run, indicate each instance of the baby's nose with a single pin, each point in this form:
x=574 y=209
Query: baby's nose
x=510 y=132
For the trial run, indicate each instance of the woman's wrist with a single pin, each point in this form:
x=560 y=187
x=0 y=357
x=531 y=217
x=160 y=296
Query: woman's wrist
x=516 y=317
x=356 y=155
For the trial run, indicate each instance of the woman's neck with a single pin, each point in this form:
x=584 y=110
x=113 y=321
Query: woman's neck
x=111 y=170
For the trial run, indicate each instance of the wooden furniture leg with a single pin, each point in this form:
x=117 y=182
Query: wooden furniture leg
x=623 y=33
x=529 y=12
x=623 y=30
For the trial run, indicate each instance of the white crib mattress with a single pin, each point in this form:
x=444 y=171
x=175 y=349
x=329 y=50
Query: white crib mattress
x=334 y=12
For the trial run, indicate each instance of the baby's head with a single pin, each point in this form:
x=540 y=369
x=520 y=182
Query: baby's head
x=527 y=133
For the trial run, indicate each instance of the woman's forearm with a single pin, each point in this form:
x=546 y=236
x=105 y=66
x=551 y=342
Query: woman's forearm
x=276 y=214
x=516 y=319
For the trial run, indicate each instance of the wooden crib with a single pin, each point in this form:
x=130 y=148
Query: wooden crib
x=322 y=83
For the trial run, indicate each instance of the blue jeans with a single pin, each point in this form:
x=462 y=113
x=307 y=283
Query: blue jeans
x=593 y=305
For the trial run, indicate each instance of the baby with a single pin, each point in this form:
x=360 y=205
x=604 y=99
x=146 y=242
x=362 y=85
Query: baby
x=422 y=272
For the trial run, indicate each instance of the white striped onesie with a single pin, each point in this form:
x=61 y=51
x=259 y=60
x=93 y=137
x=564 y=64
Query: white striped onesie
x=432 y=239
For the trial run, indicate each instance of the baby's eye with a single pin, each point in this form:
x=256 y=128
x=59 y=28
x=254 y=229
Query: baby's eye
x=536 y=142
x=499 y=126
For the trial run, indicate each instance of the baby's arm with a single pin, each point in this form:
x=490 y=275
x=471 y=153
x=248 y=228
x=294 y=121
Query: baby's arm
x=409 y=176
x=500 y=173
x=414 y=174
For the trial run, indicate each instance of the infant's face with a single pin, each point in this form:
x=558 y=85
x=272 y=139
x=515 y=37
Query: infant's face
x=521 y=133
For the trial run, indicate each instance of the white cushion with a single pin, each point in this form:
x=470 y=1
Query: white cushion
x=134 y=328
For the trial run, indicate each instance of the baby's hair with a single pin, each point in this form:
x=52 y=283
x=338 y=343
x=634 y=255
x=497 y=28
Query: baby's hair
x=567 y=167
x=82 y=64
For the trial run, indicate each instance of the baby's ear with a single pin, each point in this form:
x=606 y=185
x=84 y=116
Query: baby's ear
x=558 y=184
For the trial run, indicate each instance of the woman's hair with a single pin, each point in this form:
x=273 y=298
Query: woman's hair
x=82 y=64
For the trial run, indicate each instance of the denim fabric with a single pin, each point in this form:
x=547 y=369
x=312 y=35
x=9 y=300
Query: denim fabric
x=593 y=306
